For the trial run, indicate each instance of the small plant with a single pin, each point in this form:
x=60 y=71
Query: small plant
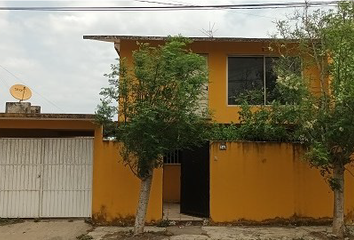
x=84 y=237
x=163 y=223
x=8 y=221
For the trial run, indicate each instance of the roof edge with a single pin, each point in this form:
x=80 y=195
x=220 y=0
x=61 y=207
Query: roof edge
x=117 y=38
x=47 y=116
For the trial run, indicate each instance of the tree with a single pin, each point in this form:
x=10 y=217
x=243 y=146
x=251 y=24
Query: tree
x=314 y=106
x=159 y=109
x=326 y=43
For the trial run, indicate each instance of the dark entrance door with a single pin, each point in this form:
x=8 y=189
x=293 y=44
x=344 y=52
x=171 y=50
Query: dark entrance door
x=195 y=181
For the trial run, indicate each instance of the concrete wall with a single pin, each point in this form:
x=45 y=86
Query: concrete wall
x=116 y=188
x=262 y=181
x=171 y=183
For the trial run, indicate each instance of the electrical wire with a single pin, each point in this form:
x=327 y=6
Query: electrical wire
x=4 y=81
x=50 y=102
x=249 y=6
x=162 y=3
x=256 y=15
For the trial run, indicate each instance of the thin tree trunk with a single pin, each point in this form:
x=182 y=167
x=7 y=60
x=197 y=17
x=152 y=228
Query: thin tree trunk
x=338 y=211
x=143 y=202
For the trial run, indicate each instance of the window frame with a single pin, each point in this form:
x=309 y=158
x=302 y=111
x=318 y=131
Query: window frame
x=172 y=158
x=263 y=56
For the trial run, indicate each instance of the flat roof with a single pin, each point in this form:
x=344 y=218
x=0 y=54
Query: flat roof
x=117 y=38
x=47 y=116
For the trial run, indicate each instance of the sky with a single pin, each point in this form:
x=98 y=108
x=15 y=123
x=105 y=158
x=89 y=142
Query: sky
x=46 y=51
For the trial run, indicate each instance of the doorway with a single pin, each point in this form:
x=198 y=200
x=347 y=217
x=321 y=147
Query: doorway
x=186 y=184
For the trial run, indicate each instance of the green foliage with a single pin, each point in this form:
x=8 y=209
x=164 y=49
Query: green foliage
x=263 y=124
x=159 y=103
x=278 y=122
x=254 y=96
x=330 y=139
x=227 y=132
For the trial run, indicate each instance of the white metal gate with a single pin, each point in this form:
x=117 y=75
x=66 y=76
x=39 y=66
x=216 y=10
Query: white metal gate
x=47 y=177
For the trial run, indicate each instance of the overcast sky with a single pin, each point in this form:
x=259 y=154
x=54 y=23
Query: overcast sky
x=46 y=52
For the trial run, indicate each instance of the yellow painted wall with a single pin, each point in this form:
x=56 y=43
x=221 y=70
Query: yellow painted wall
x=260 y=181
x=171 y=183
x=217 y=53
x=116 y=189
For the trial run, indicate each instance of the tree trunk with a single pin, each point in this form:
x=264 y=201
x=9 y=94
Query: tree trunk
x=338 y=211
x=144 y=196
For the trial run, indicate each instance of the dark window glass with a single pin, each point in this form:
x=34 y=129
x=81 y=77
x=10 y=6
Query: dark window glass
x=246 y=80
x=245 y=75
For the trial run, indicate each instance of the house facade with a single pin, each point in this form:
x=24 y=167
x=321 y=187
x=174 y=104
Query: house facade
x=225 y=182
x=240 y=181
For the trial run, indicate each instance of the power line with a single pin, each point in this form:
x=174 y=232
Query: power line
x=50 y=102
x=181 y=3
x=4 y=81
x=162 y=3
x=250 y=6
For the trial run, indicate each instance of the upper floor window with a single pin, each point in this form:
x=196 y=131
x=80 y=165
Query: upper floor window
x=251 y=77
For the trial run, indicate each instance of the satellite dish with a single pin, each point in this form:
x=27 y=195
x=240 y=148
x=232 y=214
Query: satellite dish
x=21 y=92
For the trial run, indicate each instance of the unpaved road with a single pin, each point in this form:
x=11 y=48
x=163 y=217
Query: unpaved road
x=44 y=230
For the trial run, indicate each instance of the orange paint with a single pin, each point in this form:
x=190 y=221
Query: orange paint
x=171 y=183
x=259 y=181
x=116 y=189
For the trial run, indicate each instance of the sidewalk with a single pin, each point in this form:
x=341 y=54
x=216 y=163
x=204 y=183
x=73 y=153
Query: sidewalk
x=44 y=229
x=68 y=229
x=214 y=233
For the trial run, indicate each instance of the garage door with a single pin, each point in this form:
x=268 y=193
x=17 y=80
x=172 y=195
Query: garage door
x=49 y=177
